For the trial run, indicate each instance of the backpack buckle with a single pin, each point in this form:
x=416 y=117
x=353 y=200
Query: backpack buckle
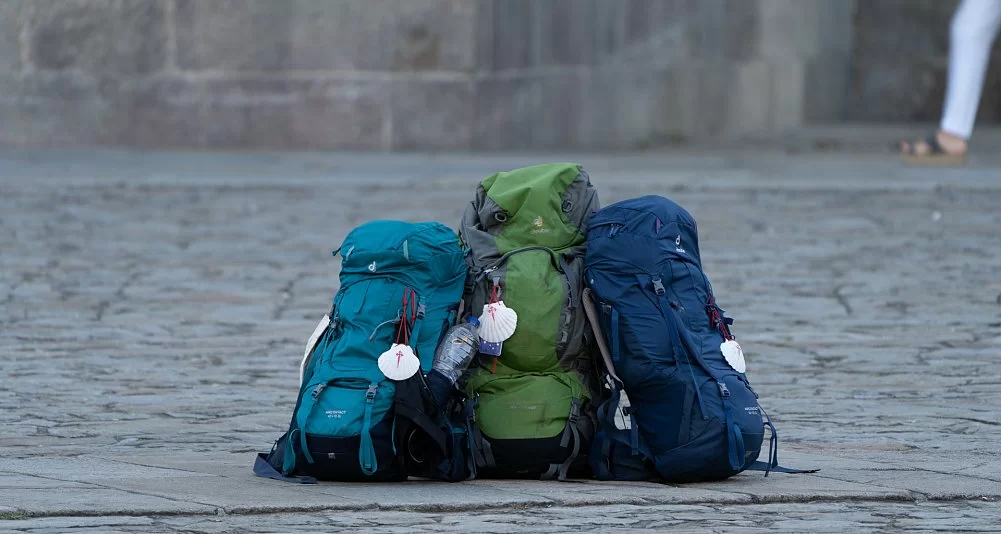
x=574 y=411
x=723 y=391
x=370 y=394
x=658 y=287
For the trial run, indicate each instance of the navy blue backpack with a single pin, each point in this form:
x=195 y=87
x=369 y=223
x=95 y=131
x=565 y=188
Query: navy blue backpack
x=675 y=409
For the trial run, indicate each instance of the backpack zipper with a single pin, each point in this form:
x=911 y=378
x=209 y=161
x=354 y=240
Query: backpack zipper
x=503 y=259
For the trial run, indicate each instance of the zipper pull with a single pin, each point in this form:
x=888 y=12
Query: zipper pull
x=319 y=389
x=399 y=317
x=483 y=274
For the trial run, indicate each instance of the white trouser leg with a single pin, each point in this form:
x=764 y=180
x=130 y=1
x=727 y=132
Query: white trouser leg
x=972 y=32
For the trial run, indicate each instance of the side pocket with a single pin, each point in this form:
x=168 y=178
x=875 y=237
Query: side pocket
x=570 y=339
x=685 y=432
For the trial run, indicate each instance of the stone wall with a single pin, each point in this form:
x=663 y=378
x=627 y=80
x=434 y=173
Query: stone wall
x=900 y=63
x=417 y=74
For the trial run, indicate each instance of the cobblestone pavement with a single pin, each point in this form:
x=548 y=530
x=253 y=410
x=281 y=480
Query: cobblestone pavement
x=791 y=517
x=153 y=306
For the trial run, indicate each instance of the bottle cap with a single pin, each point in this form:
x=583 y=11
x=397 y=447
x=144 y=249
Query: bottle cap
x=473 y=320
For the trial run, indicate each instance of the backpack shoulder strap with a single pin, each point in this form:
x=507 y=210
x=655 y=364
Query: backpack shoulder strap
x=674 y=322
x=767 y=467
x=773 y=453
x=570 y=432
x=408 y=405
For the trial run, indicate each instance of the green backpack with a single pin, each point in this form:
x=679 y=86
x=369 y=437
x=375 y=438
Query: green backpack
x=524 y=235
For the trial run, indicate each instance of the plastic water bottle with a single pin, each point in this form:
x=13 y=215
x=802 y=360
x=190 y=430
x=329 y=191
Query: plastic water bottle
x=452 y=357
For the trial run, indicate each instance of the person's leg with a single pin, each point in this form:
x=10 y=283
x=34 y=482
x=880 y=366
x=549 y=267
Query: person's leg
x=973 y=29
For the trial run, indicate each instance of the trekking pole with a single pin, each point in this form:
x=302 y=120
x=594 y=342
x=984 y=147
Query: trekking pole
x=592 y=316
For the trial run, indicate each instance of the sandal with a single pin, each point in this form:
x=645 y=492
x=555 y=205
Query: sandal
x=935 y=157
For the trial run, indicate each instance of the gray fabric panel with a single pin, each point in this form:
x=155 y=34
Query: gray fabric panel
x=477 y=230
x=583 y=198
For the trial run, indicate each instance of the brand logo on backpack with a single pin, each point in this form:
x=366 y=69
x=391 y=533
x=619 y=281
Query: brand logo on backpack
x=539 y=223
x=372 y=267
x=677 y=245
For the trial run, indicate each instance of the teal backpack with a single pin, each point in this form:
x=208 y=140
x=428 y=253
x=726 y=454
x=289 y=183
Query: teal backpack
x=399 y=282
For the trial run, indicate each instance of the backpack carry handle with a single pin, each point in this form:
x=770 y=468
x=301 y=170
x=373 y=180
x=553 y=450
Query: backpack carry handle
x=592 y=316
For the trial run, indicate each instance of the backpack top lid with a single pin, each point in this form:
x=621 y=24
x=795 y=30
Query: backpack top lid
x=655 y=218
x=543 y=205
x=425 y=254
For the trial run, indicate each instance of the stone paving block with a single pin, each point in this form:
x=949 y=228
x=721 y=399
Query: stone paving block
x=566 y=30
x=162 y=111
x=12 y=16
x=94 y=501
x=723 y=29
x=917 y=88
x=752 y=87
x=57 y=108
x=590 y=492
x=432 y=115
x=818 y=458
x=531 y=112
x=630 y=107
x=559 y=119
x=13 y=482
x=516 y=34
x=934 y=485
x=340 y=521
x=248 y=494
x=986 y=470
x=881 y=31
x=312 y=113
x=430 y=495
x=702 y=88
x=483 y=37
x=610 y=20
x=826 y=82
x=89 y=469
x=504 y=110
x=75 y=524
x=225 y=464
x=779 y=488
x=789 y=28
x=99 y=36
x=308 y=35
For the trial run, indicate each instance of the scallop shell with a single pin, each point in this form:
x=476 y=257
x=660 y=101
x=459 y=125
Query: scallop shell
x=734 y=355
x=399 y=362
x=497 y=322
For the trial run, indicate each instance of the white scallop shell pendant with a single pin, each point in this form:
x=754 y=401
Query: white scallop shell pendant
x=399 y=362
x=734 y=355
x=497 y=322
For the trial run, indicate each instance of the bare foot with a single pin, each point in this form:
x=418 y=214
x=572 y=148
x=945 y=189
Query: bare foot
x=951 y=144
